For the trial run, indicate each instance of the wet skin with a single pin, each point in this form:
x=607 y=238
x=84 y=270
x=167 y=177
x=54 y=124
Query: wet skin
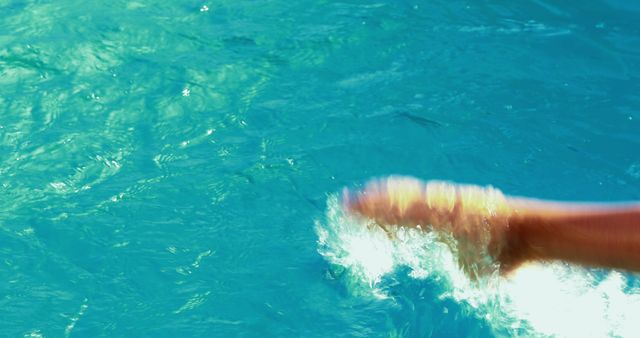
x=515 y=230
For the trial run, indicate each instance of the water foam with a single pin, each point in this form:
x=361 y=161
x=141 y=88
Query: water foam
x=536 y=300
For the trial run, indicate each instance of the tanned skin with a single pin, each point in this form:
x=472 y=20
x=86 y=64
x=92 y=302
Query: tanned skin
x=521 y=229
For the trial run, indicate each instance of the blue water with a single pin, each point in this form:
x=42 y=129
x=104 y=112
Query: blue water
x=170 y=168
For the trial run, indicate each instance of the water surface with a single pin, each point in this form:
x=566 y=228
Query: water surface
x=168 y=168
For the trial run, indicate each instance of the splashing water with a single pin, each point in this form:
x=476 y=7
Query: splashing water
x=536 y=300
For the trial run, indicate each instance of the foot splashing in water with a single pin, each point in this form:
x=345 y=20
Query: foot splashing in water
x=536 y=299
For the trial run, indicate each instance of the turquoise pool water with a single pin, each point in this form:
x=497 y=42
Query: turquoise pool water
x=171 y=168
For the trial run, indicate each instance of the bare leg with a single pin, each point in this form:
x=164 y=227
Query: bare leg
x=489 y=227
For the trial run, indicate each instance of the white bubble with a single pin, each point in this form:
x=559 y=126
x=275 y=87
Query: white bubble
x=536 y=300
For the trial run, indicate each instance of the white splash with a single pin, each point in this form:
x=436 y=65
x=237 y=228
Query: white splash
x=536 y=300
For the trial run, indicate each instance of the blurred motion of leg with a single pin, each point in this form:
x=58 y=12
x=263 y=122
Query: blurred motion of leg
x=490 y=228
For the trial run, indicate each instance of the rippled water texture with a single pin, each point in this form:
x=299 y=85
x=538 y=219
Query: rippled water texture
x=170 y=168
